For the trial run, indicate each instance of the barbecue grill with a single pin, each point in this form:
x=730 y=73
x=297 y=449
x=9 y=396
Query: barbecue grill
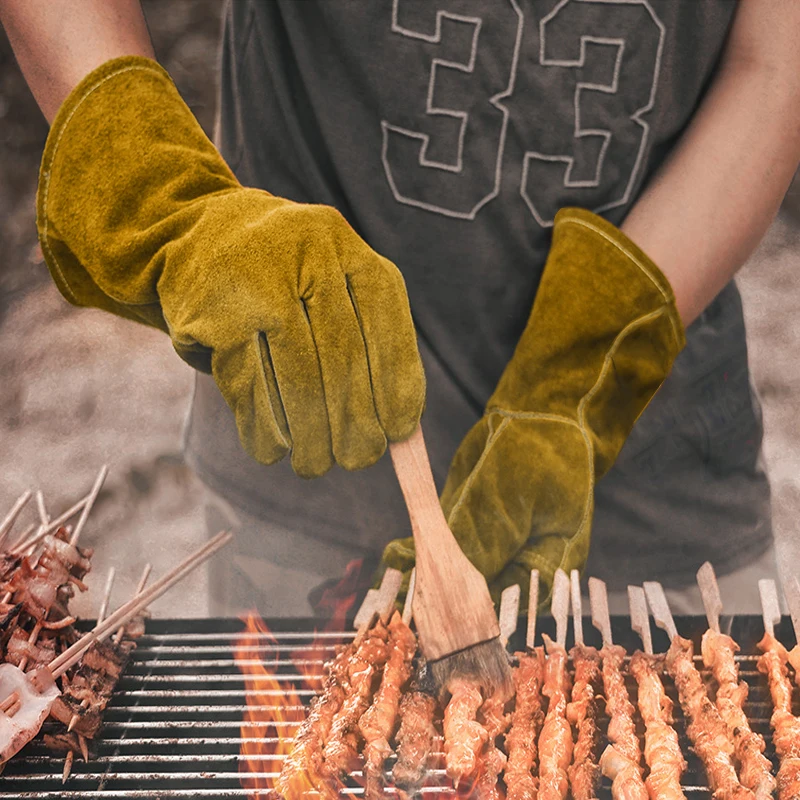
x=173 y=727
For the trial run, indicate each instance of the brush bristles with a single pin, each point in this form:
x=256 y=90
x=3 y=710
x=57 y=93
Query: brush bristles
x=486 y=663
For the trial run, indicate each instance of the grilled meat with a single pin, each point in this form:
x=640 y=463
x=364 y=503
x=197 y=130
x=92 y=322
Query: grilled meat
x=378 y=722
x=582 y=712
x=555 y=741
x=755 y=770
x=464 y=736
x=621 y=759
x=707 y=730
x=526 y=723
x=414 y=740
x=785 y=726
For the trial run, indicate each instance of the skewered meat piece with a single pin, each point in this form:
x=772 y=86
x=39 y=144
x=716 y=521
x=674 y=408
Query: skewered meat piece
x=378 y=722
x=64 y=742
x=32 y=589
x=8 y=563
x=341 y=752
x=662 y=750
x=555 y=741
x=495 y=721
x=621 y=759
x=94 y=680
x=302 y=767
x=582 y=712
x=794 y=659
x=464 y=736
x=755 y=770
x=414 y=740
x=19 y=648
x=526 y=722
x=64 y=562
x=785 y=726
x=707 y=731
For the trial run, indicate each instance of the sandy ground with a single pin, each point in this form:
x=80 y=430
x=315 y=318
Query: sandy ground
x=81 y=388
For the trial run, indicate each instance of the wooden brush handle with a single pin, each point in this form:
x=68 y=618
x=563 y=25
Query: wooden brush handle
x=452 y=606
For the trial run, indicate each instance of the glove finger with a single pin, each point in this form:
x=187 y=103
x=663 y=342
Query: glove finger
x=399 y=554
x=243 y=379
x=356 y=435
x=294 y=360
x=398 y=380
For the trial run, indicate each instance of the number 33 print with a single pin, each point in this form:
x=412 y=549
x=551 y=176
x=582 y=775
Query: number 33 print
x=585 y=98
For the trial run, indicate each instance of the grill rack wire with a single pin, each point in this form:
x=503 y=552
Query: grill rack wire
x=172 y=729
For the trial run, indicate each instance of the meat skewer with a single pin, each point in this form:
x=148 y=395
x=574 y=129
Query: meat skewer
x=555 y=740
x=785 y=725
x=378 y=722
x=661 y=747
x=416 y=712
x=584 y=709
x=621 y=760
x=492 y=714
x=29 y=696
x=755 y=770
x=528 y=716
x=304 y=768
x=707 y=730
x=56 y=569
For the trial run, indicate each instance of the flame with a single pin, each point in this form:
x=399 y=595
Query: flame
x=275 y=708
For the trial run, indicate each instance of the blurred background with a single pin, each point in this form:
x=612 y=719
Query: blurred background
x=79 y=388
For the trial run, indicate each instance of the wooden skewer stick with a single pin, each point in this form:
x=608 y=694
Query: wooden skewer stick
x=770 y=605
x=509 y=613
x=660 y=608
x=70 y=757
x=37 y=628
x=577 y=606
x=598 y=602
x=709 y=591
x=533 y=607
x=380 y=600
x=11 y=517
x=791 y=591
x=408 y=606
x=640 y=618
x=559 y=606
x=103 y=610
x=98 y=483
x=127 y=611
x=25 y=545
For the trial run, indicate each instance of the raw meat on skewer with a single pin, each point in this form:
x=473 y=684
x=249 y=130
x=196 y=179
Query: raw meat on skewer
x=584 y=709
x=621 y=760
x=755 y=770
x=785 y=725
x=662 y=750
x=555 y=740
x=528 y=715
x=707 y=730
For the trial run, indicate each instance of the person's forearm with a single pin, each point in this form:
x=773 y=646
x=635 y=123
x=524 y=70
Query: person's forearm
x=58 y=42
x=711 y=203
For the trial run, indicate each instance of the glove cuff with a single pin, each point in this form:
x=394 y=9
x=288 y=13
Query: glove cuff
x=123 y=155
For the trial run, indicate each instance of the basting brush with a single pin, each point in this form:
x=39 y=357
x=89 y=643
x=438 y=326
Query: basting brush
x=453 y=610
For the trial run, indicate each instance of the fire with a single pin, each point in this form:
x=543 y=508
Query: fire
x=275 y=707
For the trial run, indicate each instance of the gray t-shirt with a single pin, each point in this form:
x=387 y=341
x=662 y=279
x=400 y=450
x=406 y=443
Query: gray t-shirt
x=449 y=132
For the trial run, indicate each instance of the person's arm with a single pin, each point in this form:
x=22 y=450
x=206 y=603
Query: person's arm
x=714 y=199
x=58 y=42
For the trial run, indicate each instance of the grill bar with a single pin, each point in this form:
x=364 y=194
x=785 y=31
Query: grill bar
x=174 y=727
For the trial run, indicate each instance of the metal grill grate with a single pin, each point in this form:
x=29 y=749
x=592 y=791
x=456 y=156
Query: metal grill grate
x=173 y=728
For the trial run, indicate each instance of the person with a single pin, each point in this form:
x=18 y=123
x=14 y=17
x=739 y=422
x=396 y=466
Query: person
x=523 y=216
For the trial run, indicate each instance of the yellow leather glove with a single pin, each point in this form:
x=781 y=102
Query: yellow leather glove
x=600 y=340
x=306 y=330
